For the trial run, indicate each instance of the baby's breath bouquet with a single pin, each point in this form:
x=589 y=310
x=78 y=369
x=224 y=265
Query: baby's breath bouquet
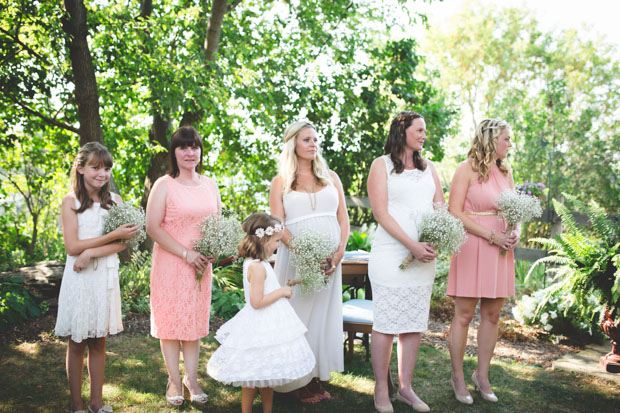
x=439 y=228
x=220 y=237
x=125 y=213
x=309 y=251
x=516 y=207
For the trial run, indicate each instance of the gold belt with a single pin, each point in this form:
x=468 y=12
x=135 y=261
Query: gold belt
x=482 y=213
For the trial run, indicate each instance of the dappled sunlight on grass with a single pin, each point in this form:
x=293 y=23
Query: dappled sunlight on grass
x=32 y=378
x=361 y=384
x=31 y=349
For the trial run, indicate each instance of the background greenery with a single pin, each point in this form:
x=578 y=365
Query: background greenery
x=146 y=67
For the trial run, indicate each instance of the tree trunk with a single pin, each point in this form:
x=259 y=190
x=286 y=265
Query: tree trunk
x=160 y=162
x=33 y=239
x=214 y=29
x=86 y=94
x=161 y=127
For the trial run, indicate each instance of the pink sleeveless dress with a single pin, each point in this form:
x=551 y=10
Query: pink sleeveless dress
x=478 y=269
x=179 y=306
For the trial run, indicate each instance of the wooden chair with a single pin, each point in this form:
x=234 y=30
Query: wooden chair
x=357 y=319
x=357 y=314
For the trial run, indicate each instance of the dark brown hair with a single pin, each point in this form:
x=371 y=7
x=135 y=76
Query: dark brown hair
x=183 y=137
x=98 y=155
x=395 y=144
x=252 y=246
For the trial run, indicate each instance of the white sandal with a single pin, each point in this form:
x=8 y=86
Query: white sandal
x=173 y=400
x=195 y=398
x=104 y=409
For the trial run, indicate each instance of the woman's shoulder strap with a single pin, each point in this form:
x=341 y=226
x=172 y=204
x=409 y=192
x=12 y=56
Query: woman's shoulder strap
x=389 y=165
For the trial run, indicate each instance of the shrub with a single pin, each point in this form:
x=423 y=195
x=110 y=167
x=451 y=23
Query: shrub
x=362 y=239
x=227 y=296
x=586 y=270
x=225 y=303
x=17 y=303
x=134 y=278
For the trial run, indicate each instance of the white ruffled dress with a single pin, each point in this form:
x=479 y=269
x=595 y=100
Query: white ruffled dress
x=263 y=347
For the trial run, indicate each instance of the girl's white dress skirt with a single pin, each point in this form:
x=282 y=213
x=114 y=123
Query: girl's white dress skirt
x=262 y=348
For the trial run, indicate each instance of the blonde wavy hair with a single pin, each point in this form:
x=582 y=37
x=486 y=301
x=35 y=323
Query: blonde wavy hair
x=483 y=148
x=289 y=163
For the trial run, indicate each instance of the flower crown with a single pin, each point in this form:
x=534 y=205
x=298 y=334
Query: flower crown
x=269 y=231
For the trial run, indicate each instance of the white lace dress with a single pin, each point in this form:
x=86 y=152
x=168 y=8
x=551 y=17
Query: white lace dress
x=321 y=312
x=401 y=298
x=263 y=347
x=89 y=305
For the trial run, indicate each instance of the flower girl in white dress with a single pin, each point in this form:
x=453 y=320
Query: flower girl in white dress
x=264 y=345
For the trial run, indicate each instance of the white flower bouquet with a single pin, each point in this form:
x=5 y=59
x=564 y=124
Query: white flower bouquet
x=125 y=213
x=310 y=252
x=441 y=229
x=220 y=237
x=516 y=207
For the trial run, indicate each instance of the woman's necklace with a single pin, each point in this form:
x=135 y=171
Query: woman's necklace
x=312 y=202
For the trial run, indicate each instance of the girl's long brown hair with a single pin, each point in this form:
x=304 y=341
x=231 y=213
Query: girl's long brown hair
x=395 y=144
x=97 y=154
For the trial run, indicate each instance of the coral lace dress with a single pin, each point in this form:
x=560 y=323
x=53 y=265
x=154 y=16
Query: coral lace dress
x=179 y=306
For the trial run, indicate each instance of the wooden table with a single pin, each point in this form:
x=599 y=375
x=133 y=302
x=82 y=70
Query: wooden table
x=355 y=275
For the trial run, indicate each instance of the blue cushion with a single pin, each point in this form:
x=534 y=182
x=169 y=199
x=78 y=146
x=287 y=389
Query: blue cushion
x=357 y=311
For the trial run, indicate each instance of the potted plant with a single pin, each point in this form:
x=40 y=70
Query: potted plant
x=585 y=262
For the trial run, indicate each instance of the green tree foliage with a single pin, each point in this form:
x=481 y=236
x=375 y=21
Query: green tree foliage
x=558 y=90
x=238 y=71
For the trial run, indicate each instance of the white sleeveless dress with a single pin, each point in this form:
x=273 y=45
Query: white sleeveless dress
x=401 y=298
x=89 y=304
x=321 y=312
x=262 y=347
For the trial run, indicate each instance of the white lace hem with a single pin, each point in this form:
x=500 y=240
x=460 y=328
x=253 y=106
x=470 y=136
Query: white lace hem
x=78 y=338
x=402 y=309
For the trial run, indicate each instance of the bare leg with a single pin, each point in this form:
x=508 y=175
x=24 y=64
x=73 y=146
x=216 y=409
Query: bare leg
x=96 y=371
x=75 y=368
x=191 y=353
x=487 y=337
x=381 y=352
x=170 y=351
x=408 y=347
x=266 y=397
x=457 y=339
x=247 y=399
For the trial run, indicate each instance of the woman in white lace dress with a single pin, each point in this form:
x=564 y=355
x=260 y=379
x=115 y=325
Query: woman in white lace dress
x=402 y=186
x=306 y=194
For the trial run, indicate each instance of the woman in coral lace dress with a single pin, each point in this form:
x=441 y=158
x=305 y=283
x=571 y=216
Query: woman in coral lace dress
x=480 y=272
x=180 y=306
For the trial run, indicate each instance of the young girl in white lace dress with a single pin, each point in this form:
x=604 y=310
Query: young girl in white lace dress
x=89 y=306
x=264 y=345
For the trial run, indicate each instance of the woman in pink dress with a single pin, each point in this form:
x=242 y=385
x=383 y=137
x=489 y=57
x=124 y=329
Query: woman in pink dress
x=480 y=271
x=180 y=306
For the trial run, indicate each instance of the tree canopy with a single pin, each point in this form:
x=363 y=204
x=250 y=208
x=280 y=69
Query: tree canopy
x=129 y=73
x=559 y=91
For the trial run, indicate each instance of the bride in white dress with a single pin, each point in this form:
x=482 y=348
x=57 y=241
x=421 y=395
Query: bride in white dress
x=306 y=194
x=402 y=186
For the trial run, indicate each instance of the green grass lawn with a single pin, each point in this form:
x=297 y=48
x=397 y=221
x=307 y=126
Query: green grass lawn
x=32 y=379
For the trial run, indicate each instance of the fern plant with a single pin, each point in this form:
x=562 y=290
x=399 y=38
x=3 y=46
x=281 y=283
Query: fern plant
x=584 y=261
x=134 y=280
